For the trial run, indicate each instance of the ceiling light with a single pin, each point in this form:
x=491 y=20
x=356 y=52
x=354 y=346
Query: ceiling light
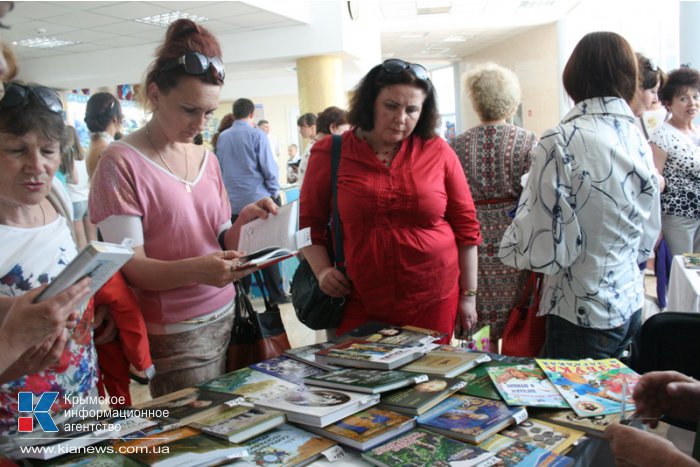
x=163 y=20
x=433 y=7
x=44 y=42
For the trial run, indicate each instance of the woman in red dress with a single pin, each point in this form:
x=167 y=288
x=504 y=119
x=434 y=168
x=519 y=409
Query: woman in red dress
x=409 y=223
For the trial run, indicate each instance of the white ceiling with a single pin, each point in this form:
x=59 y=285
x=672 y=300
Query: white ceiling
x=468 y=26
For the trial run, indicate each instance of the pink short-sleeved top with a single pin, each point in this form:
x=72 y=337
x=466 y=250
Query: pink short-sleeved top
x=177 y=224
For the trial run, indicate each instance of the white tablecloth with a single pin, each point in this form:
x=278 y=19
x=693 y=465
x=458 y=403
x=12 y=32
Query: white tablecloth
x=683 y=287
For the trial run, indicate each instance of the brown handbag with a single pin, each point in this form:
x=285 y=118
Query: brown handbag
x=255 y=336
x=524 y=334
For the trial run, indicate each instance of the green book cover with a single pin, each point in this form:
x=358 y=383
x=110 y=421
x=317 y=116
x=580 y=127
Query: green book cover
x=366 y=380
x=237 y=424
x=199 y=449
x=478 y=382
x=252 y=384
x=422 y=396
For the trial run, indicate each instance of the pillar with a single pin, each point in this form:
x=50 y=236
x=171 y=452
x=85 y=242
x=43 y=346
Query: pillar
x=320 y=82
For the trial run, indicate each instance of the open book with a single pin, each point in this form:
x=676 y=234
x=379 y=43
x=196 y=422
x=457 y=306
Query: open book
x=268 y=241
x=98 y=260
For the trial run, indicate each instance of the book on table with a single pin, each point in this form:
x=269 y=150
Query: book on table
x=421 y=397
x=366 y=428
x=470 y=419
x=366 y=380
x=691 y=260
x=253 y=385
x=269 y=241
x=592 y=387
x=546 y=435
x=307 y=354
x=593 y=426
x=288 y=445
x=239 y=423
x=419 y=447
x=384 y=333
x=514 y=452
x=358 y=353
x=479 y=382
x=525 y=385
x=98 y=260
x=448 y=364
x=288 y=369
x=319 y=406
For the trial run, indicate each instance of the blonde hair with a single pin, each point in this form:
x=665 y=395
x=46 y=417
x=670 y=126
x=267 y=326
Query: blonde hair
x=494 y=91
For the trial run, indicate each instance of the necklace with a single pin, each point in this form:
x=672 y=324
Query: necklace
x=160 y=156
x=385 y=156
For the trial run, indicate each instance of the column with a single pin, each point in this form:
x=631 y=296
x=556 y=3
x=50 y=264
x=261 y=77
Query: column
x=320 y=82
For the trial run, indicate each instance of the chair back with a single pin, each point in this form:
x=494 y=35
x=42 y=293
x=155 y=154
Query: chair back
x=670 y=341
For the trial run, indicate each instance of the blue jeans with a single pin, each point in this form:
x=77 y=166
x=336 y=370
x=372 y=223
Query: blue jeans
x=567 y=340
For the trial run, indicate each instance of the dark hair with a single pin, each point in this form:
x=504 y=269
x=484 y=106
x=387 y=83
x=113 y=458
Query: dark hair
x=242 y=108
x=101 y=109
x=331 y=116
x=34 y=116
x=308 y=119
x=263 y=122
x=361 y=112
x=224 y=124
x=183 y=36
x=676 y=81
x=602 y=64
x=649 y=75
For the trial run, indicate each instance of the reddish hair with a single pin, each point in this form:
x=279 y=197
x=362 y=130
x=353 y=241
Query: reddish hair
x=183 y=36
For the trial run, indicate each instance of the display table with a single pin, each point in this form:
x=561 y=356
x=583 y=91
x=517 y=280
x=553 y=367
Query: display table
x=683 y=287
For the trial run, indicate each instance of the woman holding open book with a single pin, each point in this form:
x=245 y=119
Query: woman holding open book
x=166 y=193
x=409 y=223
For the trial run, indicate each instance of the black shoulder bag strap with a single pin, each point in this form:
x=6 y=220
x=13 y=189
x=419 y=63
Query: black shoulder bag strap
x=337 y=228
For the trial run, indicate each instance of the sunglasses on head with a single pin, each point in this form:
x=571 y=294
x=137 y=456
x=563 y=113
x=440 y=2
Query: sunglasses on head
x=394 y=66
x=18 y=95
x=197 y=64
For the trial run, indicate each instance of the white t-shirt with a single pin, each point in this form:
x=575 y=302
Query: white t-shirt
x=79 y=192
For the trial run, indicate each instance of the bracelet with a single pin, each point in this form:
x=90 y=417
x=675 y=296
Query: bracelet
x=468 y=292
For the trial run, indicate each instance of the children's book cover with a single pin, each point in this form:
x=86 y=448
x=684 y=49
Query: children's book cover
x=421 y=397
x=307 y=354
x=592 y=387
x=252 y=384
x=287 y=369
x=284 y=446
x=469 y=418
x=366 y=380
x=525 y=385
x=419 y=448
x=516 y=453
x=546 y=435
x=237 y=424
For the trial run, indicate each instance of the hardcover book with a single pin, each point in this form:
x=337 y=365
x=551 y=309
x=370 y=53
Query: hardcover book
x=447 y=364
x=287 y=369
x=421 y=397
x=592 y=387
x=479 y=382
x=471 y=419
x=593 y=426
x=269 y=241
x=525 y=385
x=307 y=354
x=319 y=406
x=359 y=353
x=419 y=448
x=403 y=336
x=240 y=423
x=367 y=428
x=98 y=260
x=252 y=384
x=514 y=452
x=545 y=435
x=285 y=446
x=366 y=380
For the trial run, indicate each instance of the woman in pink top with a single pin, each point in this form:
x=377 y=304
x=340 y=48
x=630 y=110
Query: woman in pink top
x=158 y=188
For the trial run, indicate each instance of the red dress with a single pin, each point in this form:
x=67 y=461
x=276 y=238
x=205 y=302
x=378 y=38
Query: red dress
x=401 y=227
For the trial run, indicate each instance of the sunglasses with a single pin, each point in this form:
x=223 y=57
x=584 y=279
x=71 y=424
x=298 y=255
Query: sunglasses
x=197 y=64
x=18 y=95
x=394 y=66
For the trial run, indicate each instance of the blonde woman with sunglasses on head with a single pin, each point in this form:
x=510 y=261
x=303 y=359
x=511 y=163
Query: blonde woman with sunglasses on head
x=159 y=188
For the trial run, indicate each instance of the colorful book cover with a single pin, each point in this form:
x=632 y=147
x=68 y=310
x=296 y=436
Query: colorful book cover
x=421 y=397
x=366 y=380
x=546 y=435
x=592 y=387
x=516 y=453
x=237 y=424
x=285 y=446
x=186 y=405
x=367 y=428
x=287 y=369
x=594 y=426
x=446 y=363
x=252 y=384
x=307 y=354
x=365 y=354
x=403 y=336
x=478 y=383
x=525 y=385
x=471 y=419
x=419 y=448
x=198 y=449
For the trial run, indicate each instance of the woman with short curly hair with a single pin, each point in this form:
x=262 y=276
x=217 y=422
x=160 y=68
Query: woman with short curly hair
x=494 y=155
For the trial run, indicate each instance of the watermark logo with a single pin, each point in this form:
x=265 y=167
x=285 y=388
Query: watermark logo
x=40 y=411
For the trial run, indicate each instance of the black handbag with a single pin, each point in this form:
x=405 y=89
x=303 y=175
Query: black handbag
x=313 y=307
